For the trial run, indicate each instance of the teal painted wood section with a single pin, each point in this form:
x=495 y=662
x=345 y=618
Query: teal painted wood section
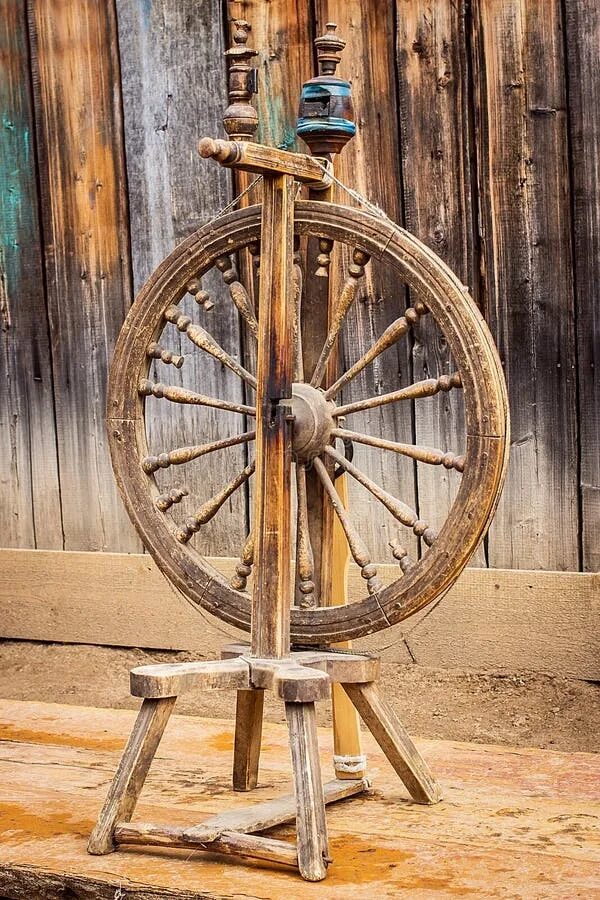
x=30 y=512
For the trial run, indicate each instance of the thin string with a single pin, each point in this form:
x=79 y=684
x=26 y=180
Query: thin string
x=233 y=203
x=371 y=207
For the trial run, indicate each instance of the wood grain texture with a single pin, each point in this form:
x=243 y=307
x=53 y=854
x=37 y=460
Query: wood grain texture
x=30 y=513
x=512 y=821
x=131 y=774
x=84 y=218
x=371 y=164
x=494 y=620
x=273 y=587
x=523 y=186
x=582 y=36
x=436 y=148
x=174 y=93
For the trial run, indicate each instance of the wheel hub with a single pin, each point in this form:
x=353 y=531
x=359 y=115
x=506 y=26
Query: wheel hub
x=313 y=421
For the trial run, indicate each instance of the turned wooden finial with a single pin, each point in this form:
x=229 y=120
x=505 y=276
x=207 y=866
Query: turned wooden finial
x=329 y=47
x=240 y=118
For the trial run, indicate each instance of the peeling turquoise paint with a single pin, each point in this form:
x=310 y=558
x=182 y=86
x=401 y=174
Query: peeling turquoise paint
x=18 y=216
x=273 y=126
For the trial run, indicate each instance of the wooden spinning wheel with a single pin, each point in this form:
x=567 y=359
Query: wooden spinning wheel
x=436 y=292
x=295 y=428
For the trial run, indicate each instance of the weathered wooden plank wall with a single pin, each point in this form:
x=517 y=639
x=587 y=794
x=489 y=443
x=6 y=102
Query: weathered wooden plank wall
x=478 y=129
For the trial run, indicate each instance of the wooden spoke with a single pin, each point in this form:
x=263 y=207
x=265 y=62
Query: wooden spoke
x=212 y=506
x=305 y=562
x=243 y=570
x=182 y=395
x=358 y=549
x=183 y=455
x=238 y=293
x=398 y=509
x=400 y=554
x=155 y=351
x=202 y=298
x=166 y=501
x=389 y=337
x=201 y=338
x=340 y=310
x=427 y=388
x=422 y=454
x=297 y=308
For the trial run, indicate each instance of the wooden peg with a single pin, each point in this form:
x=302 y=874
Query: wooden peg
x=240 y=119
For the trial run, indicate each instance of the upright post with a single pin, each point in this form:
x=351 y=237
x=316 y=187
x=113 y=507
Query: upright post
x=272 y=595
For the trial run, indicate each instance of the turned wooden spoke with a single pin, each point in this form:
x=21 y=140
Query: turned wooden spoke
x=155 y=351
x=205 y=341
x=427 y=388
x=297 y=282
x=358 y=549
x=422 y=454
x=400 y=554
x=183 y=455
x=305 y=562
x=182 y=395
x=243 y=569
x=202 y=297
x=340 y=310
x=398 y=509
x=209 y=509
x=389 y=337
x=238 y=293
x=166 y=501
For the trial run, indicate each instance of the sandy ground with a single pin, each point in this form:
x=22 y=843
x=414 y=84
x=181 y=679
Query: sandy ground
x=521 y=710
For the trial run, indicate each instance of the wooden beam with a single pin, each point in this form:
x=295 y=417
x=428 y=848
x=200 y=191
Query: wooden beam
x=498 y=620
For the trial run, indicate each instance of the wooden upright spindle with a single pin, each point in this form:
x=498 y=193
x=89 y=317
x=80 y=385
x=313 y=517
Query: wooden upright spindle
x=272 y=594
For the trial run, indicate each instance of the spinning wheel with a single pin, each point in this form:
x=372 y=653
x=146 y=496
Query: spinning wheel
x=316 y=428
x=296 y=428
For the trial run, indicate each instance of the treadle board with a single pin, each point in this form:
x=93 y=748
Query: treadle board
x=515 y=822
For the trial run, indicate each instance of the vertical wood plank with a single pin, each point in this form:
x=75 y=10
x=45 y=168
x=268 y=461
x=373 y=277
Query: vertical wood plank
x=371 y=164
x=30 y=513
x=524 y=196
x=435 y=136
x=582 y=42
x=174 y=92
x=76 y=79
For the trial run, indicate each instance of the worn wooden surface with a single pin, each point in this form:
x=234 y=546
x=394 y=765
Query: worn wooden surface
x=75 y=68
x=520 y=105
x=583 y=101
x=168 y=49
x=497 y=141
x=513 y=822
x=436 y=147
x=30 y=510
x=492 y=620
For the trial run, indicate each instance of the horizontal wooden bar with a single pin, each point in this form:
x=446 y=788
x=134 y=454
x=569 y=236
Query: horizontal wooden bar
x=260 y=816
x=257 y=158
x=231 y=843
x=493 y=620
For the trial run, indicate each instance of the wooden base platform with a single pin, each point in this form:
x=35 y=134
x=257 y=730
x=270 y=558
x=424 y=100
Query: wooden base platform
x=514 y=822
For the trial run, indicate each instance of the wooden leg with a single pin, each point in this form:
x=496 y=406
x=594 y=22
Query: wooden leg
x=131 y=773
x=392 y=737
x=311 y=824
x=248 y=732
x=348 y=760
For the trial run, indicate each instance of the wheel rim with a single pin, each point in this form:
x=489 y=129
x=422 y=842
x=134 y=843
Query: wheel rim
x=485 y=414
